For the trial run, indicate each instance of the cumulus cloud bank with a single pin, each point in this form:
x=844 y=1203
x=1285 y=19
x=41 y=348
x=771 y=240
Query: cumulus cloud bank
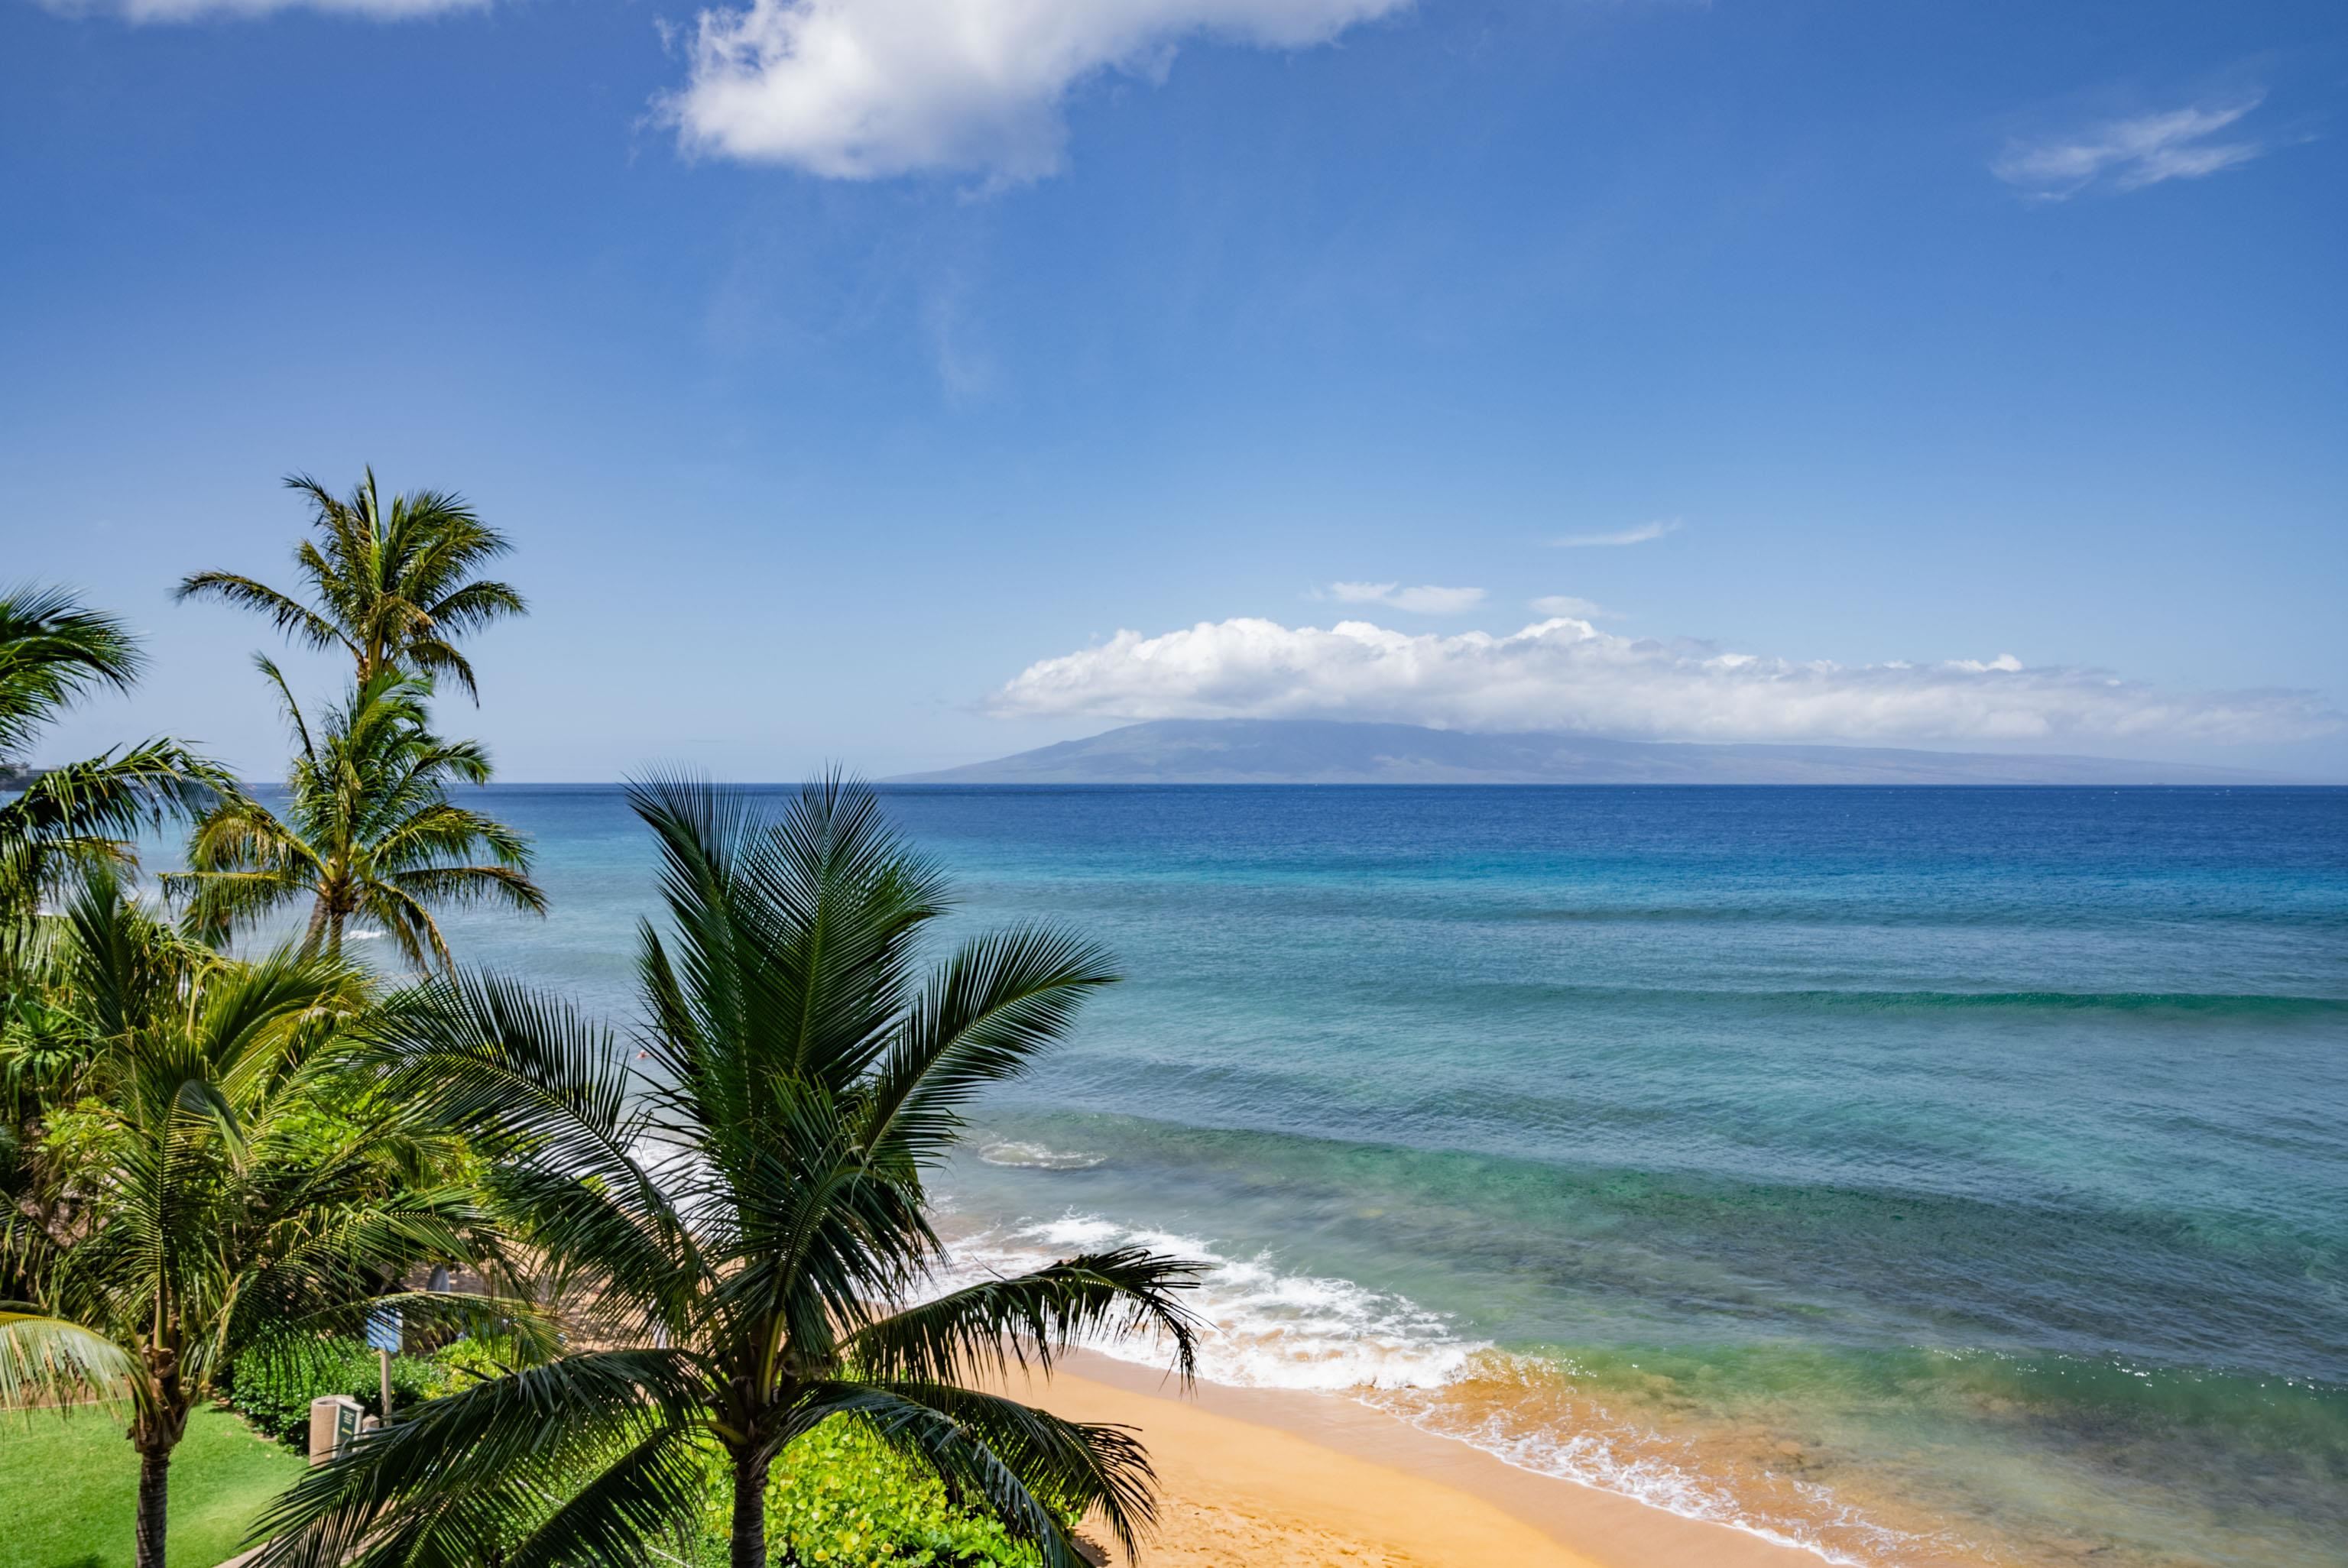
x=859 y=90
x=2130 y=154
x=1425 y=600
x=1565 y=674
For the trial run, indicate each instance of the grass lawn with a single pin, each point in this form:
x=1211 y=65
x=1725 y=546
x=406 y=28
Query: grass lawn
x=69 y=1487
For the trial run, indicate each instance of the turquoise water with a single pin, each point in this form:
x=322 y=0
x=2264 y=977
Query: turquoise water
x=1918 y=1174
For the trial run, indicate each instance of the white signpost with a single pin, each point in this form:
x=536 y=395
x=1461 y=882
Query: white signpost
x=383 y=1336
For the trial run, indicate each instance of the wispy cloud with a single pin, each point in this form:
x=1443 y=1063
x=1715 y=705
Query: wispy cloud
x=965 y=369
x=1564 y=674
x=863 y=89
x=2130 y=154
x=1425 y=600
x=1568 y=605
x=1636 y=536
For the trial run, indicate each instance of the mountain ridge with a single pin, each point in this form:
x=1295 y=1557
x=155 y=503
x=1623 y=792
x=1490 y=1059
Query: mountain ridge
x=1330 y=751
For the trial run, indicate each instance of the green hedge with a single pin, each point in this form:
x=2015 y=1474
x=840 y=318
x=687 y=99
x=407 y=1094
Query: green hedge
x=272 y=1389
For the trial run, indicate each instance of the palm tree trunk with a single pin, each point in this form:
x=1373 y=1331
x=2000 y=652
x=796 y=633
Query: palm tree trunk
x=751 y=1472
x=154 y=1504
x=317 y=929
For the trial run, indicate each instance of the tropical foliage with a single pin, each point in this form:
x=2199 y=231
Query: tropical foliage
x=367 y=832
x=392 y=586
x=54 y=651
x=213 y=1178
x=214 y=1168
x=842 y=1499
x=743 y=1223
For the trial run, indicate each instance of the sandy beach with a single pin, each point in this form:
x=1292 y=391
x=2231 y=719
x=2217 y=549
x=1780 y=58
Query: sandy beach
x=1256 y=1476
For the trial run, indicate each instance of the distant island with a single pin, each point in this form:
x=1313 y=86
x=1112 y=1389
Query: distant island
x=1316 y=751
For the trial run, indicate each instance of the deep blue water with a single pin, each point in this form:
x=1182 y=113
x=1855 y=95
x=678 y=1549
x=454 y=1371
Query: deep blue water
x=1921 y=1173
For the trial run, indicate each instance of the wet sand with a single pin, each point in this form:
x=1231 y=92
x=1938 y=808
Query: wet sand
x=1251 y=1476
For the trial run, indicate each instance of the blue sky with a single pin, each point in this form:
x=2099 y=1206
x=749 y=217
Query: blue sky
x=905 y=382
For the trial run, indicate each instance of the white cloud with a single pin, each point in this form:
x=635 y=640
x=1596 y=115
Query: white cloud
x=194 y=10
x=1425 y=600
x=1565 y=674
x=1636 y=536
x=1567 y=604
x=2130 y=154
x=861 y=89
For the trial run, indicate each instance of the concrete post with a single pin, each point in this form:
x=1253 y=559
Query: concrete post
x=333 y=1421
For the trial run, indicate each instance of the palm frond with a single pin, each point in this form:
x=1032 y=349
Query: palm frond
x=1027 y=1319
x=291 y=616
x=476 y=604
x=999 y=1002
x=47 y=1361
x=399 y=1493
x=86 y=814
x=615 y=1520
x=53 y=651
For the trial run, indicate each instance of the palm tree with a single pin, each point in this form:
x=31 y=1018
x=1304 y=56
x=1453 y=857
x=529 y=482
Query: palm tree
x=391 y=586
x=744 y=1219
x=368 y=830
x=52 y=652
x=224 y=1199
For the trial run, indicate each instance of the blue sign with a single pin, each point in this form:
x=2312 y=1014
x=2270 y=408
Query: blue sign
x=383 y=1332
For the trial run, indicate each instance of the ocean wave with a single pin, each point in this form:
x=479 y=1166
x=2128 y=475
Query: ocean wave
x=1036 y=1157
x=1265 y=1327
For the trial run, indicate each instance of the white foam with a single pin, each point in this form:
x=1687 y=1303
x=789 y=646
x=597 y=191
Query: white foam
x=1074 y=1230
x=1594 y=1459
x=1036 y=1157
x=1263 y=1327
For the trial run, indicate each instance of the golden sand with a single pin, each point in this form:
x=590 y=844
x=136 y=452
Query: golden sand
x=1250 y=1477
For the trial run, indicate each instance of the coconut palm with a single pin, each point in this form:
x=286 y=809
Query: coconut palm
x=744 y=1220
x=222 y=1200
x=54 y=651
x=392 y=587
x=368 y=830
x=70 y=981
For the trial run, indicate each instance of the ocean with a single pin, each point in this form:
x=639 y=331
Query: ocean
x=1915 y=1174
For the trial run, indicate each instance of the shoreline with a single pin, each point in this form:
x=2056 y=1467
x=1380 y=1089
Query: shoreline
x=1308 y=1479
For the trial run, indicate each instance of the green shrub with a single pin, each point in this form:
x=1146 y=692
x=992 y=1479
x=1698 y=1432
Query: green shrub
x=461 y=1363
x=273 y=1388
x=841 y=1499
